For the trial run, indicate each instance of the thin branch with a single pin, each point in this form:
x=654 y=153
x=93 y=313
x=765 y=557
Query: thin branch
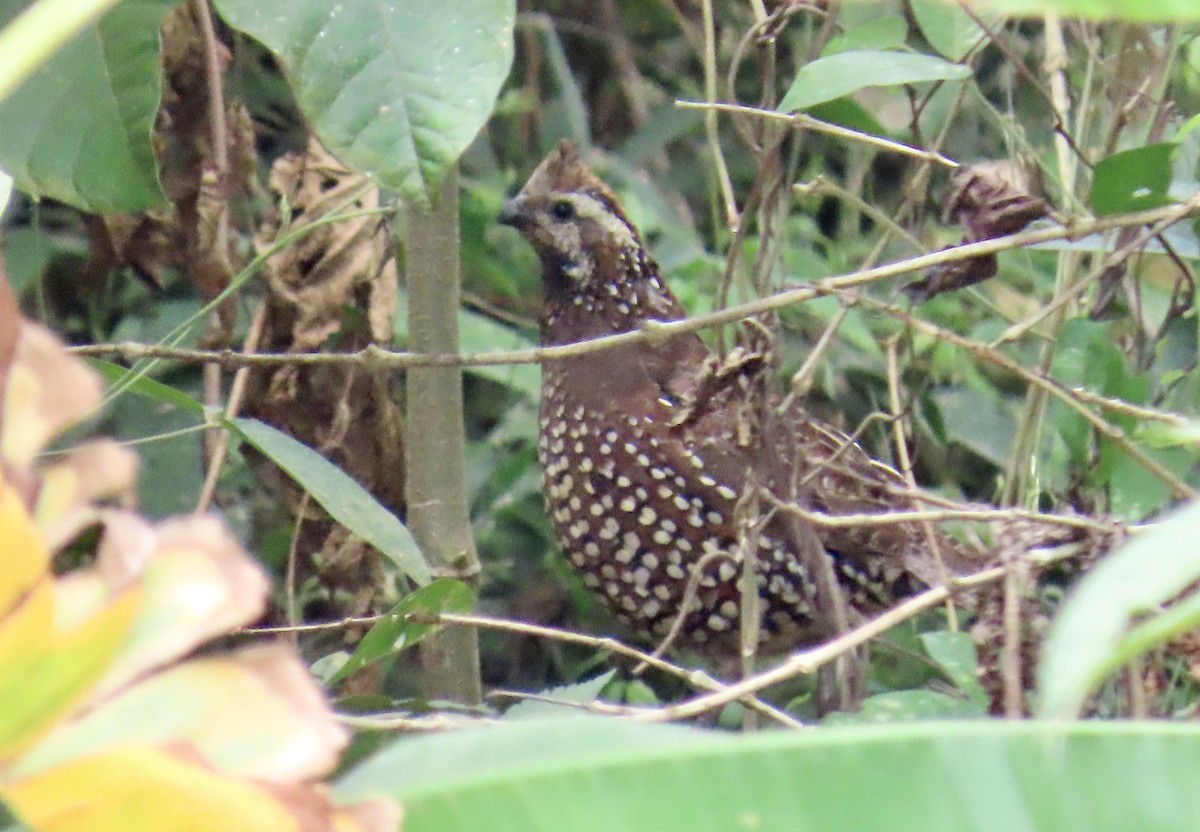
x=816 y=125
x=1010 y=660
x=432 y=723
x=1123 y=251
x=289 y=587
x=891 y=518
x=732 y=219
x=286 y=238
x=658 y=331
x=695 y=678
x=904 y=464
x=236 y=391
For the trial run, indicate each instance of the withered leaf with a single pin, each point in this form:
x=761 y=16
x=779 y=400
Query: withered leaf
x=989 y=199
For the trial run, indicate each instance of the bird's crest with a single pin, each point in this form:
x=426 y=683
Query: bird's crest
x=563 y=172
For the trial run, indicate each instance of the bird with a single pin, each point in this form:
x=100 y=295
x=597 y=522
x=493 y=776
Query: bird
x=657 y=455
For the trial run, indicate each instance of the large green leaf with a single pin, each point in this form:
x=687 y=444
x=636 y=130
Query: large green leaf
x=346 y=501
x=1093 y=637
x=1147 y=10
x=572 y=775
x=395 y=90
x=78 y=129
x=837 y=75
x=40 y=30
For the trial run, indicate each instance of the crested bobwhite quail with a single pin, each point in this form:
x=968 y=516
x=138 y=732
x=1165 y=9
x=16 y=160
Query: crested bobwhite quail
x=645 y=456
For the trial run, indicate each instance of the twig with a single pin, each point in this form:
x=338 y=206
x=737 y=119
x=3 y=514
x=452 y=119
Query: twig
x=1010 y=662
x=822 y=186
x=289 y=587
x=236 y=391
x=695 y=678
x=1060 y=100
x=690 y=592
x=904 y=464
x=285 y=239
x=891 y=518
x=658 y=331
x=1121 y=252
x=415 y=724
x=816 y=125
x=732 y=219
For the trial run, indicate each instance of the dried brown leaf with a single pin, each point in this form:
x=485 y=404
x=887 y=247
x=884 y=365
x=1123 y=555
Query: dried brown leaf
x=989 y=199
x=319 y=274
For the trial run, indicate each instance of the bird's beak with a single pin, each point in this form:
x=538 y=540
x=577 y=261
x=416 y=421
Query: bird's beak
x=514 y=213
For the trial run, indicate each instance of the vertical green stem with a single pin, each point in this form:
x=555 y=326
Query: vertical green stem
x=435 y=488
x=1021 y=483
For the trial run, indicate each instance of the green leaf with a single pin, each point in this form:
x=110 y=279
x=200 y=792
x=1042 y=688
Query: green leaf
x=849 y=113
x=1160 y=435
x=559 y=701
x=884 y=32
x=572 y=775
x=1089 y=640
x=948 y=27
x=147 y=387
x=346 y=501
x=394 y=90
x=78 y=129
x=395 y=632
x=977 y=419
x=38 y=32
x=955 y=654
x=1186 y=129
x=907 y=706
x=1133 y=180
x=837 y=75
x=1134 y=492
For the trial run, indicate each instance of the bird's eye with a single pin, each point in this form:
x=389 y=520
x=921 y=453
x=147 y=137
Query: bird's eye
x=563 y=211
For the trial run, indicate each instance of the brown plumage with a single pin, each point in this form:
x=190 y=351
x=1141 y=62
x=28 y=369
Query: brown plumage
x=647 y=449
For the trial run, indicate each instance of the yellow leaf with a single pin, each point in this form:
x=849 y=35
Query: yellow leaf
x=45 y=673
x=135 y=789
x=253 y=713
x=198 y=584
x=23 y=559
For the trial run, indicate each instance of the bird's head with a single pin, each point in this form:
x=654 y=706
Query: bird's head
x=574 y=223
